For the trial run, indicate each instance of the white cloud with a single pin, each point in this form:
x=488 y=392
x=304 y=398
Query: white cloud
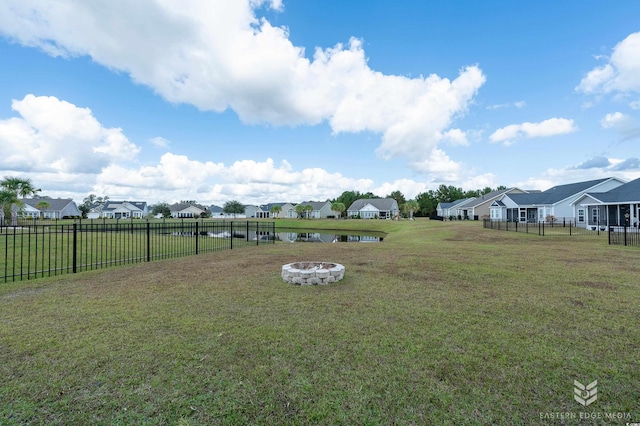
x=620 y=74
x=409 y=188
x=625 y=125
x=160 y=142
x=517 y=104
x=56 y=136
x=219 y=54
x=178 y=177
x=455 y=137
x=551 y=127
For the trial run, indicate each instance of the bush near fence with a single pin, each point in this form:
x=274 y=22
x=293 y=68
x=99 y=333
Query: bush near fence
x=34 y=251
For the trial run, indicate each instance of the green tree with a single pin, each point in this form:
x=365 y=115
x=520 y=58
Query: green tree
x=161 y=208
x=13 y=189
x=410 y=207
x=428 y=202
x=448 y=194
x=233 y=207
x=300 y=210
x=399 y=197
x=275 y=210
x=338 y=208
x=42 y=206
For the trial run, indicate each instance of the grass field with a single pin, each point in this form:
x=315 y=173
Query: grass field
x=442 y=323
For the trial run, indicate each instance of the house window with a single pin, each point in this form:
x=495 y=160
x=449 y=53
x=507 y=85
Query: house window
x=523 y=215
x=595 y=215
x=580 y=215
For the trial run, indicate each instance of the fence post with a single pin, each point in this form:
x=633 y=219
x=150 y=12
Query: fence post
x=197 y=237
x=231 y=234
x=609 y=233
x=247 y=232
x=148 y=241
x=257 y=236
x=75 y=248
x=625 y=234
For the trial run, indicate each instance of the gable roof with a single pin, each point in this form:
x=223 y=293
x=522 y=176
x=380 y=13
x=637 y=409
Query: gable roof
x=382 y=204
x=178 y=207
x=114 y=205
x=475 y=202
x=454 y=203
x=317 y=205
x=626 y=193
x=555 y=194
x=55 y=204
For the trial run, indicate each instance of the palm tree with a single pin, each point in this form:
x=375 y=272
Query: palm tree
x=16 y=189
x=338 y=208
x=275 y=210
x=411 y=206
x=308 y=209
x=300 y=209
x=42 y=206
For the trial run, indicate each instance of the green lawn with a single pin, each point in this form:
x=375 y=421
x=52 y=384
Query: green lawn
x=442 y=323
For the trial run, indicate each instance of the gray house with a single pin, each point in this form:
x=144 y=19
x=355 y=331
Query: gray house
x=119 y=210
x=59 y=208
x=617 y=207
x=449 y=209
x=320 y=209
x=557 y=201
x=374 y=208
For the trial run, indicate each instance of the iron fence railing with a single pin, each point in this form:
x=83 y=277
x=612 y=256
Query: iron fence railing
x=617 y=235
x=624 y=235
x=38 y=250
x=562 y=226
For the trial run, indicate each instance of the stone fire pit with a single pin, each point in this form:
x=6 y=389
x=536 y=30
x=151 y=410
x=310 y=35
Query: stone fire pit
x=312 y=273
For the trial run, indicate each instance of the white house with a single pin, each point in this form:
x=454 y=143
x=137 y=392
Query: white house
x=374 y=208
x=119 y=210
x=449 y=209
x=186 y=210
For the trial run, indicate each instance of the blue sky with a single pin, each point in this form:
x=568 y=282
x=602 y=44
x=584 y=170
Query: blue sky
x=274 y=100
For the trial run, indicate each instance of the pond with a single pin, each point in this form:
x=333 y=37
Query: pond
x=326 y=236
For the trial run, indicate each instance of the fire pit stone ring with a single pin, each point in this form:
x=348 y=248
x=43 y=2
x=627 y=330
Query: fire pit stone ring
x=312 y=273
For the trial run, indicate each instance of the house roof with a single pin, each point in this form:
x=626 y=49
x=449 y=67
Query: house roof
x=55 y=204
x=555 y=194
x=382 y=204
x=178 y=207
x=114 y=205
x=474 y=202
x=317 y=205
x=454 y=203
x=626 y=193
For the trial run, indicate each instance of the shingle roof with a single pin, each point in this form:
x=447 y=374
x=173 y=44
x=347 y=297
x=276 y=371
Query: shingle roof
x=627 y=193
x=55 y=204
x=474 y=202
x=382 y=204
x=555 y=194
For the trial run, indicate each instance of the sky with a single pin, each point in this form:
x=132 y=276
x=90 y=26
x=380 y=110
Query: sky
x=264 y=101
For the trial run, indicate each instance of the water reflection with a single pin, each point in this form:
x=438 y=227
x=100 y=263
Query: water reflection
x=317 y=237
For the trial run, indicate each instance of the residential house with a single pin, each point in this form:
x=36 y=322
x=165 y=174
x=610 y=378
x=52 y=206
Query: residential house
x=263 y=211
x=447 y=210
x=374 y=208
x=119 y=210
x=217 y=212
x=320 y=209
x=619 y=206
x=555 y=202
x=186 y=210
x=480 y=207
x=59 y=208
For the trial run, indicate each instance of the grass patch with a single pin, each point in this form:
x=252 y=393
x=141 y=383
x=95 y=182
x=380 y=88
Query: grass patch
x=441 y=323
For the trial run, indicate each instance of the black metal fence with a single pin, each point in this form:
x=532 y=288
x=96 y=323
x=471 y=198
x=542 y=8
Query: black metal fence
x=564 y=226
x=619 y=235
x=624 y=235
x=34 y=251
